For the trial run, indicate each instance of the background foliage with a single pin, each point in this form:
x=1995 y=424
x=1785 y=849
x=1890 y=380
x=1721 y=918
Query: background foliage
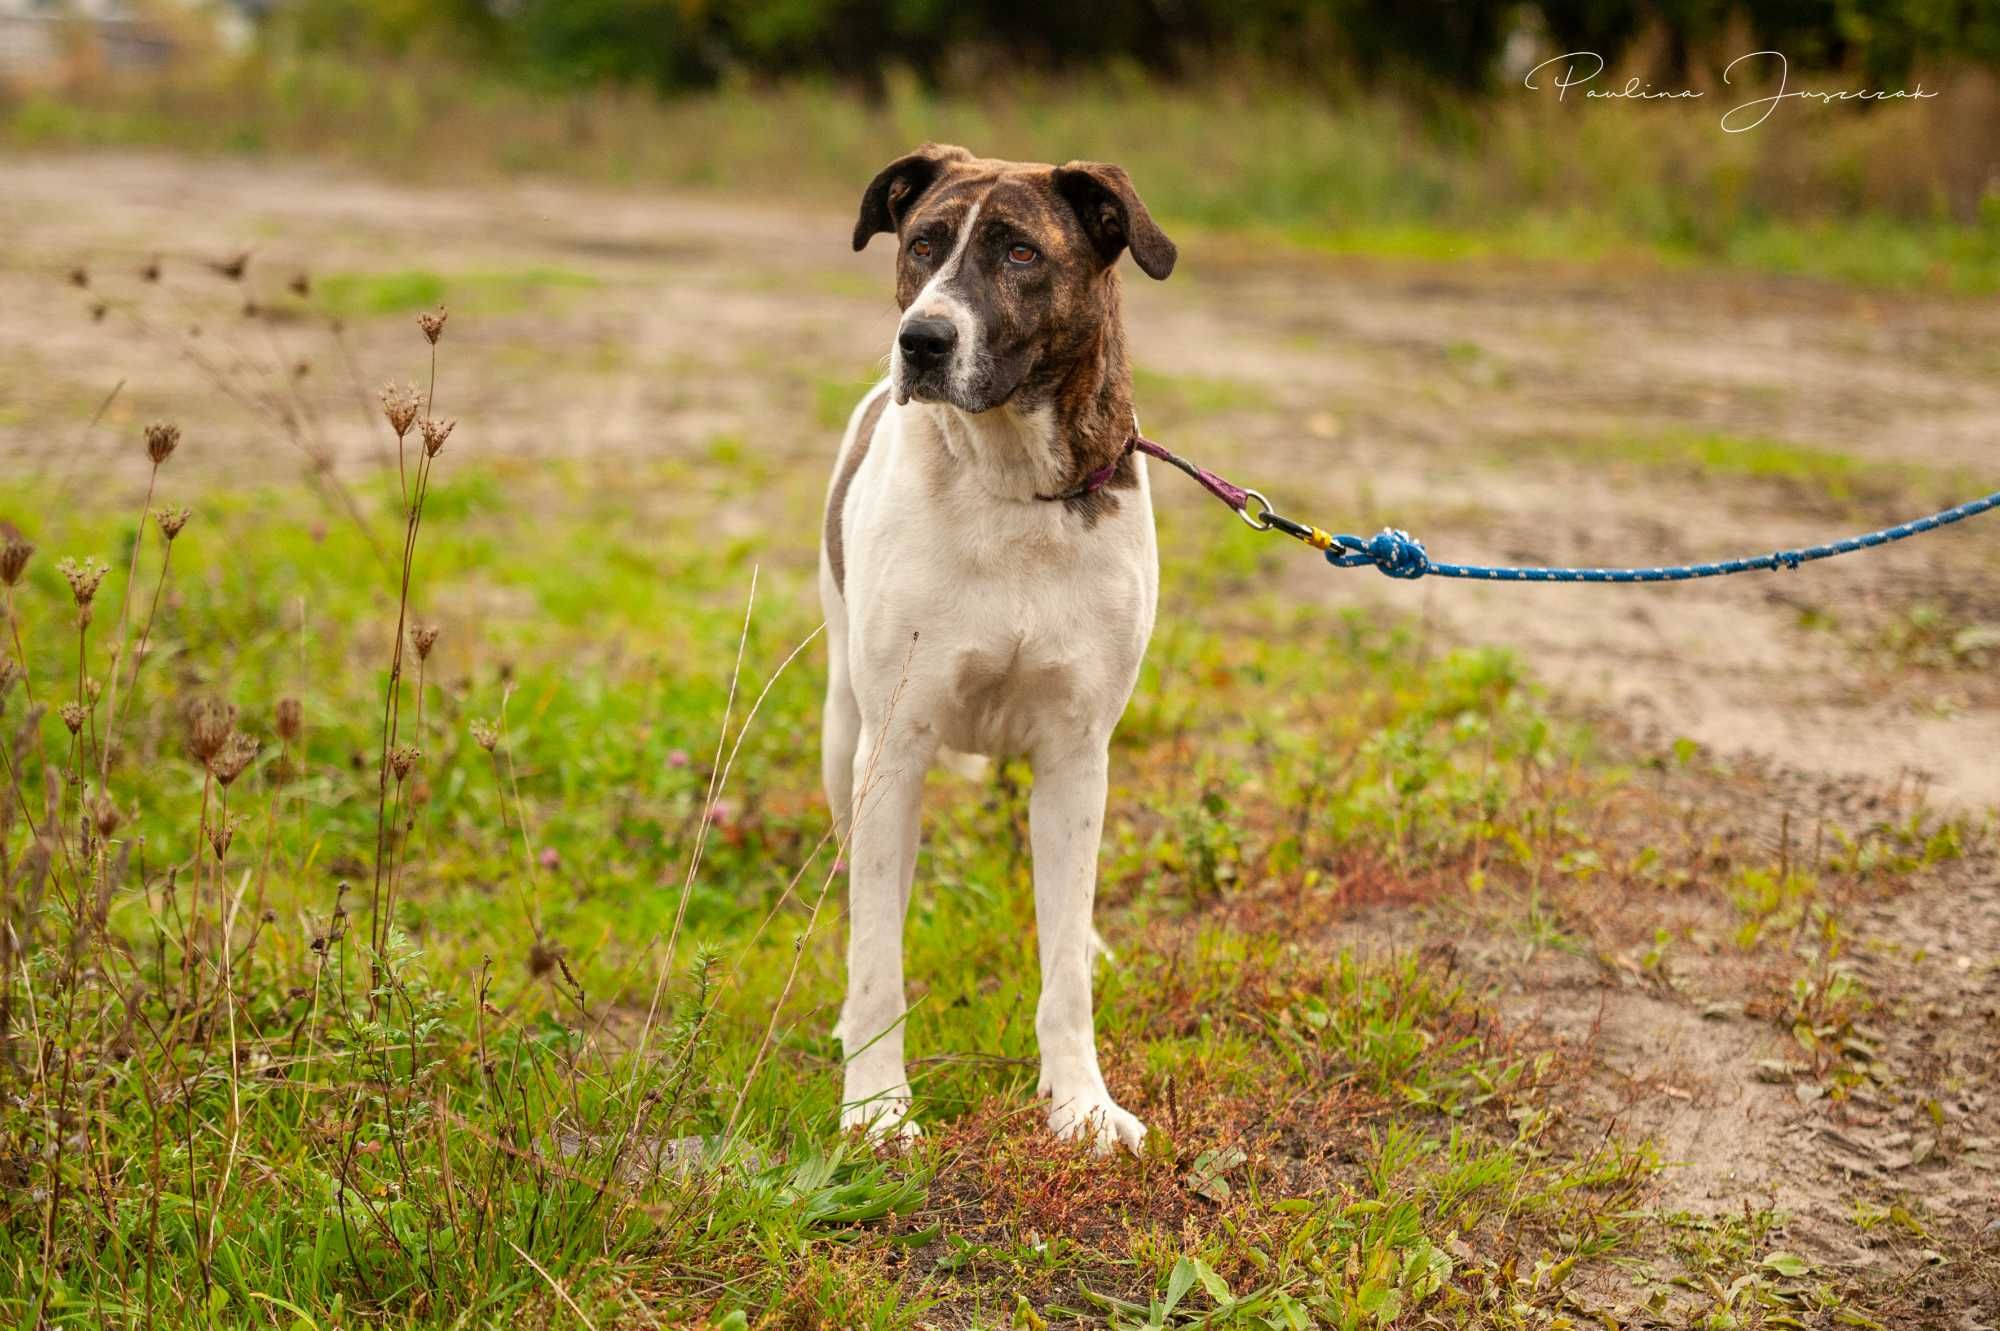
x=675 y=44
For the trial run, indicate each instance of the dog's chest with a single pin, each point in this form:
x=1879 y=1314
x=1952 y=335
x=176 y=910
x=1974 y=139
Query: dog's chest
x=1015 y=668
x=1018 y=641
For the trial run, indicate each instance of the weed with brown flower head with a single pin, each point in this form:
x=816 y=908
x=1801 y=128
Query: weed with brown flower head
x=290 y=720
x=399 y=406
x=105 y=817
x=435 y=432
x=233 y=759
x=15 y=551
x=161 y=441
x=402 y=758
x=388 y=845
x=84 y=578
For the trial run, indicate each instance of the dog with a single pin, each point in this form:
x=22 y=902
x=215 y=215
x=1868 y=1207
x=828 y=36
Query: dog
x=989 y=574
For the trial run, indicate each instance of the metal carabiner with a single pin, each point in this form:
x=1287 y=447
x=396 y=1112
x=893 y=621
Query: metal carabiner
x=1260 y=521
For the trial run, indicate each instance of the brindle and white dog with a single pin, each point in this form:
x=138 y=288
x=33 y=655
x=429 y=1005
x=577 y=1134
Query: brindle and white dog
x=989 y=576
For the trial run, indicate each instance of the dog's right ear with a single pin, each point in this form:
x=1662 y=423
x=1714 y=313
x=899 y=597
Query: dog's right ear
x=888 y=197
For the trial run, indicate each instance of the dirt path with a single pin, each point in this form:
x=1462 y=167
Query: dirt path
x=1572 y=415
x=1501 y=414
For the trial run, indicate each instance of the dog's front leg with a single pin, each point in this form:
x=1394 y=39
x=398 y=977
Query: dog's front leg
x=1066 y=822
x=882 y=857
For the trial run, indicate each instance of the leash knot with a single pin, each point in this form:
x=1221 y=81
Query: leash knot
x=1398 y=554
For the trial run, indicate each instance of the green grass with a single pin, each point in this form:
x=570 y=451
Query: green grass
x=1850 y=198
x=1807 y=469
x=227 y=1106
x=350 y=294
x=1196 y=394
x=613 y=682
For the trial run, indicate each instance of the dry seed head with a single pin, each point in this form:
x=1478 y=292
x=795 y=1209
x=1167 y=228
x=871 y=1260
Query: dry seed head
x=83 y=578
x=10 y=674
x=210 y=722
x=400 y=406
x=291 y=720
x=423 y=637
x=161 y=441
x=402 y=758
x=484 y=735
x=171 y=521
x=433 y=324
x=14 y=553
x=221 y=834
x=435 y=433
x=105 y=816
x=72 y=715
x=93 y=689
x=236 y=755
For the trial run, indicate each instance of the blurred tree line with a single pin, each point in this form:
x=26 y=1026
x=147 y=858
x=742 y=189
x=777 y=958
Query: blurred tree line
x=1455 y=44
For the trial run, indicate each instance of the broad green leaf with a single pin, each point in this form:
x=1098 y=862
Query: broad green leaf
x=1788 y=1264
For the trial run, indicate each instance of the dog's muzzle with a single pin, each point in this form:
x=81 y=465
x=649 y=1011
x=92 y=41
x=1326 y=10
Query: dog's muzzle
x=926 y=346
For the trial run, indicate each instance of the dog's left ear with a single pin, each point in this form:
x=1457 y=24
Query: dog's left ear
x=1114 y=217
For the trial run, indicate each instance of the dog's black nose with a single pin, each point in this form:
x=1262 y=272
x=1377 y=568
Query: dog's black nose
x=927 y=343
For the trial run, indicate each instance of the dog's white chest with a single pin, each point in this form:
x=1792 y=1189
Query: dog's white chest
x=1016 y=675
x=1009 y=626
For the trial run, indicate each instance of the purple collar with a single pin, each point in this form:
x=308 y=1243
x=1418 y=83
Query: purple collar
x=1233 y=495
x=1098 y=479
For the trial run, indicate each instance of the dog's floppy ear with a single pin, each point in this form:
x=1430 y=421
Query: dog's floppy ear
x=1114 y=217
x=888 y=197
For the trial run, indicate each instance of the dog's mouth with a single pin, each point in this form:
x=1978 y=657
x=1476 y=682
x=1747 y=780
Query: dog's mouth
x=938 y=386
x=924 y=386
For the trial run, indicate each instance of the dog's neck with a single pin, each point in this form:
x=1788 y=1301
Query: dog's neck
x=1094 y=415
x=1071 y=421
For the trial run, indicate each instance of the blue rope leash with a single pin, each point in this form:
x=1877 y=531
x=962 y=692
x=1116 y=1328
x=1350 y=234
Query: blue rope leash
x=1401 y=555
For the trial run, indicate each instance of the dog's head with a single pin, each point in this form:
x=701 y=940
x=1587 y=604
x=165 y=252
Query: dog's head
x=1005 y=272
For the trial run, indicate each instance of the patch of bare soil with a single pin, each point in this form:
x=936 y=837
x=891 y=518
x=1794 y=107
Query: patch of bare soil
x=1492 y=409
x=1871 y=1152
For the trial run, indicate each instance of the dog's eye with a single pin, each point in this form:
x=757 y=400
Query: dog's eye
x=921 y=248
x=1022 y=254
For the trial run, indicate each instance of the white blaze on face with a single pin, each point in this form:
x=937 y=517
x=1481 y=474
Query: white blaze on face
x=935 y=301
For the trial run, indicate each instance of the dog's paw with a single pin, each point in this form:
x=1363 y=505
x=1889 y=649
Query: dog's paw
x=1096 y=1117
x=884 y=1117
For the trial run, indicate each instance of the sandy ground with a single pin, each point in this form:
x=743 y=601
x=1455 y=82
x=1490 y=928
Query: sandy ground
x=1489 y=408
x=1481 y=407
